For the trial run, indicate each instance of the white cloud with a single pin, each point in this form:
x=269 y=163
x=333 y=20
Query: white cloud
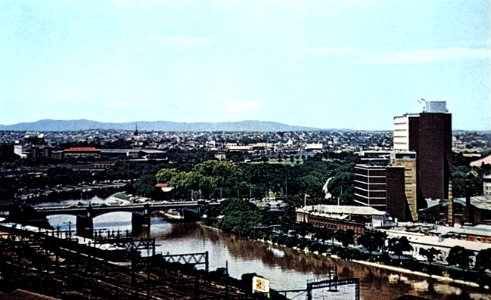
x=367 y=57
x=180 y=40
x=427 y=56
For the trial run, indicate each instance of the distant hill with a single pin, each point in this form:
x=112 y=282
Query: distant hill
x=75 y=125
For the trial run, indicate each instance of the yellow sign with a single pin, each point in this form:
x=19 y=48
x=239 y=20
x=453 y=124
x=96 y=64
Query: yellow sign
x=260 y=285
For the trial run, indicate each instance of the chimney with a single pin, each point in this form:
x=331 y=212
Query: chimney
x=450 y=216
x=468 y=206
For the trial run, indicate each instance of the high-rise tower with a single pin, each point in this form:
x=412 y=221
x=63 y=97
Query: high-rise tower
x=429 y=134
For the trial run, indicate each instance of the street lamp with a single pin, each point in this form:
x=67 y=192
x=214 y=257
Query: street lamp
x=470 y=209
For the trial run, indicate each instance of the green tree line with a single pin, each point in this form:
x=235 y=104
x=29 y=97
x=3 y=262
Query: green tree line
x=214 y=179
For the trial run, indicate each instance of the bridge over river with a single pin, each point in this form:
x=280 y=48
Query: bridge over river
x=140 y=219
x=103 y=209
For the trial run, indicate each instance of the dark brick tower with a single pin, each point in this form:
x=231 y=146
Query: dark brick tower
x=434 y=149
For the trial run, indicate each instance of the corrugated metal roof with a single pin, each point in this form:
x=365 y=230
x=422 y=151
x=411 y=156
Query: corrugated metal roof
x=342 y=209
x=478 y=230
x=437 y=241
x=481 y=202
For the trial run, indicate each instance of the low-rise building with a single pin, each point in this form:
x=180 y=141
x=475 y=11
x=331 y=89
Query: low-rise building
x=343 y=217
x=444 y=238
x=82 y=152
x=314 y=147
x=437 y=211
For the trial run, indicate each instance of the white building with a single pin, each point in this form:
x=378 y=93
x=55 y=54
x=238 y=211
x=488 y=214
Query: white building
x=443 y=239
x=401 y=132
x=19 y=150
x=486 y=182
x=314 y=147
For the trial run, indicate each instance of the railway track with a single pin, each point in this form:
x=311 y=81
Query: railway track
x=69 y=273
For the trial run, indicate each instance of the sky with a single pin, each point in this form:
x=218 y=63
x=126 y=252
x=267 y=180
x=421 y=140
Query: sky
x=326 y=64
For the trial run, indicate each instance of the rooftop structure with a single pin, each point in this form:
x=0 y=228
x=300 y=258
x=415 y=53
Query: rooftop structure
x=436 y=107
x=341 y=211
x=342 y=217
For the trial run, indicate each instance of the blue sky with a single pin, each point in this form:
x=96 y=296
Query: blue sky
x=328 y=64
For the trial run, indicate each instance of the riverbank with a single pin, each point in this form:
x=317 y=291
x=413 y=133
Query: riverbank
x=438 y=278
x=421 y=274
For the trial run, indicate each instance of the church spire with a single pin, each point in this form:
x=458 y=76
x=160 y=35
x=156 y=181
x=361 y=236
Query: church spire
x=136 y=129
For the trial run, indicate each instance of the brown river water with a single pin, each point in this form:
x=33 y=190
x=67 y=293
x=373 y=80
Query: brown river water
x=286 y=269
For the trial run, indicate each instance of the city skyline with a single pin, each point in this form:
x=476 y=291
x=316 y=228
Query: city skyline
x=323 y=64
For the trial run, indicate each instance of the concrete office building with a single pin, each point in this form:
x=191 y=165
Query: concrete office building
x=403 y=126
x=371 y=186
x=380 y=185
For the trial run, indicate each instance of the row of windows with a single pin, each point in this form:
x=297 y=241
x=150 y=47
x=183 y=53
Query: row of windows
x=370 y=179
x=331 y=224
x=371 y=188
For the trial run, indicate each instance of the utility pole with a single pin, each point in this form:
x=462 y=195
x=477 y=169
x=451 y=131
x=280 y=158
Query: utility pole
x=286 y=187
x=226 y=280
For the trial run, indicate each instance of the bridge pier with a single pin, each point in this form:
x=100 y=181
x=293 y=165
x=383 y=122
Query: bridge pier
x=85 y=224
x=140 y=223
x=191 y=214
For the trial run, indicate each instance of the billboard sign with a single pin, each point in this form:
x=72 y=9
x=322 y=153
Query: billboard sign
x=260 y=284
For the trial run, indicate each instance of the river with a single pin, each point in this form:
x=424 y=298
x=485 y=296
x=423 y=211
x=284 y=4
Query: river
x=286 y=268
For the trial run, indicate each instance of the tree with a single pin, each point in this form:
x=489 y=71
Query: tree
x=461 y=257
x=429 y=253
x=145 y=185
x=372 y=240
x=324 y=234
x=346 y=237
x=206 y=177
x=399 y=245
x=239 y=217
x=166 y=175
x=303 y=228
x=483 y=260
